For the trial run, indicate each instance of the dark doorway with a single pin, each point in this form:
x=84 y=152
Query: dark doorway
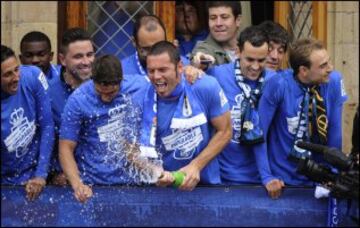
x=261 y=11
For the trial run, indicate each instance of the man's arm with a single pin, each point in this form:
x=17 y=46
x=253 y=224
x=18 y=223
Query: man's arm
x=338 y=98
x=268 y=104
x=223 y=134
x=46 y=124
x=67 y=160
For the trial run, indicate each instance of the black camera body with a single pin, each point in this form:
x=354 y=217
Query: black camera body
x=342 y=184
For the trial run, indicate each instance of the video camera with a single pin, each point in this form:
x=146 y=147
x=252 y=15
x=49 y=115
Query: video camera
x=342 y=184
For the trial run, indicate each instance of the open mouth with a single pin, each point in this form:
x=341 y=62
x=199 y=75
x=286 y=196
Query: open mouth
x=160 y=85
x=14 y=86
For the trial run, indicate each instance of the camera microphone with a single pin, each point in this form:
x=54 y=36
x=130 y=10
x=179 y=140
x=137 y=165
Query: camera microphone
x=331 y=154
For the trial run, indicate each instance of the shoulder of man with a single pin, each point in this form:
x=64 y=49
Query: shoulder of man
x=206 y=86
x=134 y=82
x=208 y=46
x=336 y=81
x=33 y=75
x=277 y=81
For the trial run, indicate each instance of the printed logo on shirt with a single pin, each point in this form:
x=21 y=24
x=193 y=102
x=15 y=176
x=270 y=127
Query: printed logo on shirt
x=43 y=80
x=22 y=133
x=183 y=142
x=223 y=98
x=343 y=92
x=236 y=118
x=113 y=129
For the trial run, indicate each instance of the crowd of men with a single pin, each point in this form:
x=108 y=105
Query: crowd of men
x=217 y=105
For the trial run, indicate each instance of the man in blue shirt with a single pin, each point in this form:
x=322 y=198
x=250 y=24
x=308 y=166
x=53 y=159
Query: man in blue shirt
x=94 y=119
x=27 y=128
x=76 y=55
x=303 y=104
x=180 y=119
x=148 y=30
x=242 y=161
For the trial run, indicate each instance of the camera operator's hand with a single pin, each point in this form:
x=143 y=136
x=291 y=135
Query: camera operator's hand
x=274 y=188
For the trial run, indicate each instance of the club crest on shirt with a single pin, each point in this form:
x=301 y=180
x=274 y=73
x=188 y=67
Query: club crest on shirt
x=112 y=131
x=183 y=142
x=22 y=133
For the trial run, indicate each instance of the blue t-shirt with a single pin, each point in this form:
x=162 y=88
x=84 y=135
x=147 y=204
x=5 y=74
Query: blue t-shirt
x=171 y=142
x=98 y=127
x=27 y=129
x=237 y=162
x=130 y=65
x=59 y=92
x=186 y=47
x=279 y=113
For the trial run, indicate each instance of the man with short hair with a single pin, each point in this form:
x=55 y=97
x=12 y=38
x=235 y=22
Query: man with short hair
x=27 y=128
x=303 y=104
x=279 y=40
x=220 y=46
x=148 y=30
x=242 y=161
x=76 y=56
x=94 y=119
x=180 y=119
x=35 y=48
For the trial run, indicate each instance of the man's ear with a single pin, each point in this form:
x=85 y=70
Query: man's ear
x=180 y=67
x=62 y=59
x=238 y=21
x=303 y=71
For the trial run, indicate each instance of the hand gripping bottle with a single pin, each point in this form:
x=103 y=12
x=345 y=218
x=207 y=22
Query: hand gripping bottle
x=178 y=178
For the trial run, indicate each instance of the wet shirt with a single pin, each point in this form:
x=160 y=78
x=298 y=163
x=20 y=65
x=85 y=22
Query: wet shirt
x=242 y=164
x=279 y=112
x=100 y=130
x=27 y=129
x=59 y=92
x=178 y=147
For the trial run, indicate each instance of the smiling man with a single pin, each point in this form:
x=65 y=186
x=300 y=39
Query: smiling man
x=179 y=119
x=242 y=161
x=302 y=104
x=279 y=40
x=221 y=45
x=27 y=129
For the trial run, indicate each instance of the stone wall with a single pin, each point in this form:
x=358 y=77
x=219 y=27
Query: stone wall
x=21 y=17
x=343 y=45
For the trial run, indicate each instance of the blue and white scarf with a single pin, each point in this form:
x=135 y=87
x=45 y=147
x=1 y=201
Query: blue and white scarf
x=188 y=114
x=302 y=133
x=251 y=132
x=141 y=69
